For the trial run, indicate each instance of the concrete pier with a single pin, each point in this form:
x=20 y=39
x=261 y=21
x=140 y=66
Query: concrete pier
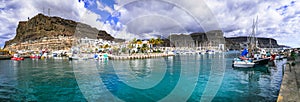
x=290 y=86
x=138 y=56
x=4 y=57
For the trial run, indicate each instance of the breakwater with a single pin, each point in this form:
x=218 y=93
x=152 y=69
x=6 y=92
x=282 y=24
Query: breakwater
x=3 y=57
x=138 y=56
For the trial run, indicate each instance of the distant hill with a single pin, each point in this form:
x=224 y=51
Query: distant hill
x=235 y=42
x=215 y=38
x=41 y=26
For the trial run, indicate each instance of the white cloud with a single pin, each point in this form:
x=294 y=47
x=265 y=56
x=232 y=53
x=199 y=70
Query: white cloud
x=168 y=16
x=19 y=10
x=142 y=17
x=102 y=7
x=235 y=17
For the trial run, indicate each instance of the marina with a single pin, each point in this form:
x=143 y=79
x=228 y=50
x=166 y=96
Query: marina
x=64 y=80
x=149 y=51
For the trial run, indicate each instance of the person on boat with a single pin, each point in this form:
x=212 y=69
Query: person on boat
x=263 y=53
x=268 y=54
x=243 y=54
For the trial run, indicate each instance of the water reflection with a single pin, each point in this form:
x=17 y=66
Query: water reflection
x=119 y=88
x=256 y=83
x=140 y=68
x=261 y=69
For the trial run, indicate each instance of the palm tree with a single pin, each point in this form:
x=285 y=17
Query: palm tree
x=134 y=41
x=158 y=41
x=132 y=45
x=152 y=42
x=144 y=48
x=139 y=42
x=106 y=46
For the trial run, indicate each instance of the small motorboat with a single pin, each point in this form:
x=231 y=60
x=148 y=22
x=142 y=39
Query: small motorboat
x=81 y=57
x=243 y=63
x=210 y=52
x=101 y=56
x=35 y=56
x=17 y=57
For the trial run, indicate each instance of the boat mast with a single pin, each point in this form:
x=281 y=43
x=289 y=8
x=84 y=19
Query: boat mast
x=256 y=26
x=252 y=40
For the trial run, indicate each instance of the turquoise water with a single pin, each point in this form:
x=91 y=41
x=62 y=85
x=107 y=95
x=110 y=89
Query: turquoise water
x=179 y=78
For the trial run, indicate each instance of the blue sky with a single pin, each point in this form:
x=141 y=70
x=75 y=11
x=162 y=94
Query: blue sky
x=149 y=18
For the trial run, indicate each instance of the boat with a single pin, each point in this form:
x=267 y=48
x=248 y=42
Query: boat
x=35 y=56
x=17 y=57
x=81 y=57
x=101 y=56
x=262 y=61
x=243 y=61
x=238 y=63
x=258 y=56
x=210 y=52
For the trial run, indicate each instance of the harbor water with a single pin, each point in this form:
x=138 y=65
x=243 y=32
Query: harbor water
x=169 y=79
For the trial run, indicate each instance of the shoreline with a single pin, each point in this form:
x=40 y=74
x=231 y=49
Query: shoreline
x=5 y=57
x=138 y=56
x=8 y=57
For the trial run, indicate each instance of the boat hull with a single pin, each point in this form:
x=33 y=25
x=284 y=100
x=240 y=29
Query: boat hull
x=244 y=65
x=264 y=61
x=17 y=58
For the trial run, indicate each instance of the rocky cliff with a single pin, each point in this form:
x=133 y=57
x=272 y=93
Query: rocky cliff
x=41 y=26
x=236 y=42
x=214 y=38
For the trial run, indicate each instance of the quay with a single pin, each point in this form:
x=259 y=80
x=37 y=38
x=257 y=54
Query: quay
x=290 y=86
x=138 y=56
x=4 y=57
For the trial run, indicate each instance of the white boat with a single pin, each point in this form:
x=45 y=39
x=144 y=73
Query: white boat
x=243 y=63
x=81 y=57
x=210 y=52
x=101 y=56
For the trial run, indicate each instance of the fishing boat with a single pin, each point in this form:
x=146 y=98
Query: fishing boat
x=257 y=56
x=17 y=57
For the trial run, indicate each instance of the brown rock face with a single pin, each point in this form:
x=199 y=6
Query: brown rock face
x=42 y=26
x=235 y=42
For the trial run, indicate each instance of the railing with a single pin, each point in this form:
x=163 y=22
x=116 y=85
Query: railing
x=290 y=64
